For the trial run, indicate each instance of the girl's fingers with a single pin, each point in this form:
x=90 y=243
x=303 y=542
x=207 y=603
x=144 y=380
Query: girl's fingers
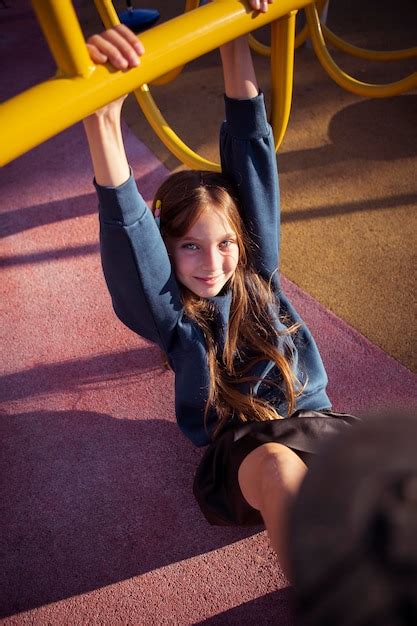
x=131 y=38
x=95 y=54
x=106 y=48
x=119 y=45
x=124 y=48
x=260 y=5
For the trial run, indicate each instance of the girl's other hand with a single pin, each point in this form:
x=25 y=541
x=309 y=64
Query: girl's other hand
x=260 y=5
x=118 y=46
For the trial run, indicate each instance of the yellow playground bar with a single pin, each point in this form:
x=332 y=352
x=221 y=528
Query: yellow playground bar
x=78 y=87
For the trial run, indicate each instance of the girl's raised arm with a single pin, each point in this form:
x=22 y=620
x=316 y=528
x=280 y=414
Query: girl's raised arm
x=135 y=261
x=248 y=155
x=238 y=71
x=120 y=47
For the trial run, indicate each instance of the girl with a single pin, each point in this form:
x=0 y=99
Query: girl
x=198 y=276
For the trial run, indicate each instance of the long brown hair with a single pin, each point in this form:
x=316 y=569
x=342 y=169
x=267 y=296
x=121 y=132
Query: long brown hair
x=251 y=334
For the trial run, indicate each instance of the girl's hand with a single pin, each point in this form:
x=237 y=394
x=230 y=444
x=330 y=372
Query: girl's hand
x=260 y=5
x=120 y=47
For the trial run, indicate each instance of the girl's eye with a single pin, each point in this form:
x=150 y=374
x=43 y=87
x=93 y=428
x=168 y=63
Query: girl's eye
x=189 y=246
x=226 y=243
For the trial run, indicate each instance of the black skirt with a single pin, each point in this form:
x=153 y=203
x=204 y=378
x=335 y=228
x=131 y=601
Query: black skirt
x=216 y=485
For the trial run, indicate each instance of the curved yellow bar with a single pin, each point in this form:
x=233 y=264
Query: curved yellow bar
x=107 y=13
x=258 y=47
x=265 y=50
x=339 y=43
x=282 y=66
x=300 y=38
x=62 y=31
x=190 y=5
x=282 y=72
x=343 y=79
x=168 y=137
x=363 y=53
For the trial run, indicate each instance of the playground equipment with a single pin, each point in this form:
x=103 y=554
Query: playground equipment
x=79 y=87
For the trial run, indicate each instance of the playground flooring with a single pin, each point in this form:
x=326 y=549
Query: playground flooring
x=98 y=523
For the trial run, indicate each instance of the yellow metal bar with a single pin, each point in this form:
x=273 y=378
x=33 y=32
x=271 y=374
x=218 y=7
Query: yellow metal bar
x=168 y=136
x=107 y=13
x=362 y=53
x=282 y=71
x=110 y=18
x=300 y=38
x=368 y=90
x=48 y=108
x=62 y=31
x=190 y=5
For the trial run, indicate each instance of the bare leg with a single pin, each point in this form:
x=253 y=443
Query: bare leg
x=269 y=478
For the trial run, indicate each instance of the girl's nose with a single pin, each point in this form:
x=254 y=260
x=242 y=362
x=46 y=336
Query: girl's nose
x=211 y=259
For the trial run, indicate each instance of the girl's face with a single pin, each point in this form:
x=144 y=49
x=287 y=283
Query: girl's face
x=205 y=258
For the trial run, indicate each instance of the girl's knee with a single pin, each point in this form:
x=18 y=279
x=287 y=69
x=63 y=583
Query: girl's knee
x=270 y=471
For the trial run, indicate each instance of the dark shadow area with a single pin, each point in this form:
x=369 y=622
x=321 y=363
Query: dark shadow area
x=18 y=17
x=89 y=500
x=51 y=255
x=21 y=219
x=17 y=220
x=383 y=140
x=384 y=25
x=74 y=375
x=273 y=609
x=352 y=206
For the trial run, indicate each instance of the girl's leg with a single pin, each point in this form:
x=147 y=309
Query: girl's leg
x=269 y=478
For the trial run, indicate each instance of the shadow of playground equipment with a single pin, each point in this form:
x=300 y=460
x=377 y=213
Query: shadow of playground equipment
x=262 y=611
x=74 y=375
x=351 y=135
x=89 y=500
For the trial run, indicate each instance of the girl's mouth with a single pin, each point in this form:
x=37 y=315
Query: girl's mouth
x=209 y=280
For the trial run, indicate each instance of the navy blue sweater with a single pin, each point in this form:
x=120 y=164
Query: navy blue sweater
x=145 y=293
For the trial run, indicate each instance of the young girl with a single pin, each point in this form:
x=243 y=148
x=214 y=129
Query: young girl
x=198 y=276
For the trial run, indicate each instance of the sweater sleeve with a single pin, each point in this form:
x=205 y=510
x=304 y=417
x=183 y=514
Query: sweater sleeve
x=136 y=265
x=248 y=158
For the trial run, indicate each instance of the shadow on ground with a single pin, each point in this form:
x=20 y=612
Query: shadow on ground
x=92 y=500
x=381 y=140
x=261 y=611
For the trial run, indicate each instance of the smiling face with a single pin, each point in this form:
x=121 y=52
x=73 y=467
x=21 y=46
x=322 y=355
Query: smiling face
x=202 y=228
x=206 y=257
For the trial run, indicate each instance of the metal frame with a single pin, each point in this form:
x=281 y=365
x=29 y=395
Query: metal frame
x=79 y=87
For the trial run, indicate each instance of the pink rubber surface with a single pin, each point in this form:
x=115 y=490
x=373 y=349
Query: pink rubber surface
x=99 y=517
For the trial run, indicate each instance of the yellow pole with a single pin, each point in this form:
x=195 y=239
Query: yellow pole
x=168 y=136
x=282 y=71
x=107 y=13
x=363 y=53
x=62 y=31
